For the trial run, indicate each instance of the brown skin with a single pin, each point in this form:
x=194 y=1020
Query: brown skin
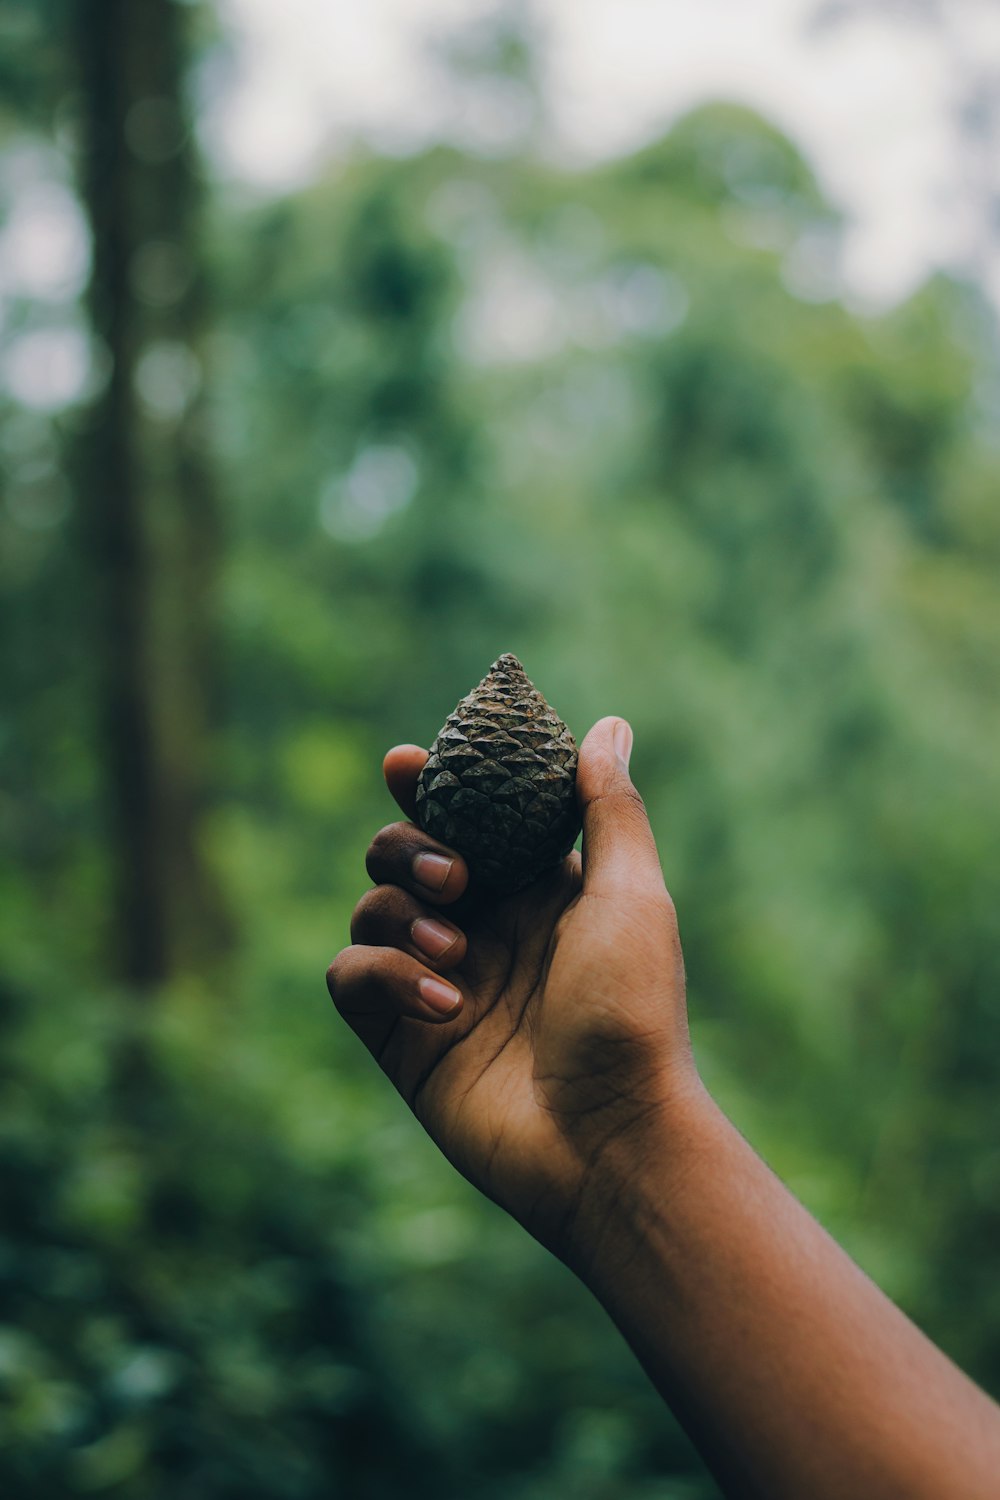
x=553 y=1051
x=562 y=1084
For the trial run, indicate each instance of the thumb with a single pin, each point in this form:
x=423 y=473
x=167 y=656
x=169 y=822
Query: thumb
x=619 y=851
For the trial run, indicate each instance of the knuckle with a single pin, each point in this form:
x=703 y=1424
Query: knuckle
x=631 y=801
x=659 y=914
x=384 y=849
x=358 y=977
x=335 y=973
x=622 y=802
x=376 y=907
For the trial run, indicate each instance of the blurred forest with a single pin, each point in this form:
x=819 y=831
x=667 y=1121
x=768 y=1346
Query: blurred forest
x=280 y=479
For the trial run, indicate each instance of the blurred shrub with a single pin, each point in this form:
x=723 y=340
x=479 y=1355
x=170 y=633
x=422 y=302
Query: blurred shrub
x=189 y=1305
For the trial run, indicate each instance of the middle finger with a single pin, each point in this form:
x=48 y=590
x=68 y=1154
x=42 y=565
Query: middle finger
x=389 y=917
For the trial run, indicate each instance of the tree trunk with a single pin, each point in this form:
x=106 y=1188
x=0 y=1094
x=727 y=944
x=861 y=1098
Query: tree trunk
x=147 y=486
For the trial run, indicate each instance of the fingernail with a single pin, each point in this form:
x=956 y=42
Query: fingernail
x=623 y=741
x=432 y=870
x=432 y=938
x=439 y=996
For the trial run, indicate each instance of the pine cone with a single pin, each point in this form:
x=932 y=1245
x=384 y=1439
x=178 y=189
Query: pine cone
x=499 y=785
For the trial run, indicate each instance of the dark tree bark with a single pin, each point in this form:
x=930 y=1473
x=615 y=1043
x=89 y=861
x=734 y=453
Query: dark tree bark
x=147 y=487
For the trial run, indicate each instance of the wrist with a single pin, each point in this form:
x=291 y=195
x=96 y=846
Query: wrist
x=637 y=1181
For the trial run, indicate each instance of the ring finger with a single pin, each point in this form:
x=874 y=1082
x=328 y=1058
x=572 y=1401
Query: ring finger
x=389 y=917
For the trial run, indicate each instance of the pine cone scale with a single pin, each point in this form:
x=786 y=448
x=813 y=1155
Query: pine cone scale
x=499 y=785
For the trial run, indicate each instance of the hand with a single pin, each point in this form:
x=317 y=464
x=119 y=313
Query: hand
x=561 y=1030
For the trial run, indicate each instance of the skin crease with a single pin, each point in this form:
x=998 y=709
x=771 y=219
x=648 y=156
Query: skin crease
x=562 y=1084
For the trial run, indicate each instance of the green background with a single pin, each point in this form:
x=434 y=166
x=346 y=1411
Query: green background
x=366 y=437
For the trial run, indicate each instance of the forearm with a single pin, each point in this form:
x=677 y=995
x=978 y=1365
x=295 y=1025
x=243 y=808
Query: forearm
x=791 y=1371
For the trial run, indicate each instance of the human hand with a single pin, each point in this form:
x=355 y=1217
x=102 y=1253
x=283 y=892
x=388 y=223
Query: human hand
x=559 y=1040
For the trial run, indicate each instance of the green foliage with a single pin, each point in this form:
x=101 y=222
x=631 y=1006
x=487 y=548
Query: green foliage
x=204 y=1290
x=167 y=1325
x=613 y=420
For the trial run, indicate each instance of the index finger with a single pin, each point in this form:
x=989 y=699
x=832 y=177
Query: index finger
x=401 y=767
